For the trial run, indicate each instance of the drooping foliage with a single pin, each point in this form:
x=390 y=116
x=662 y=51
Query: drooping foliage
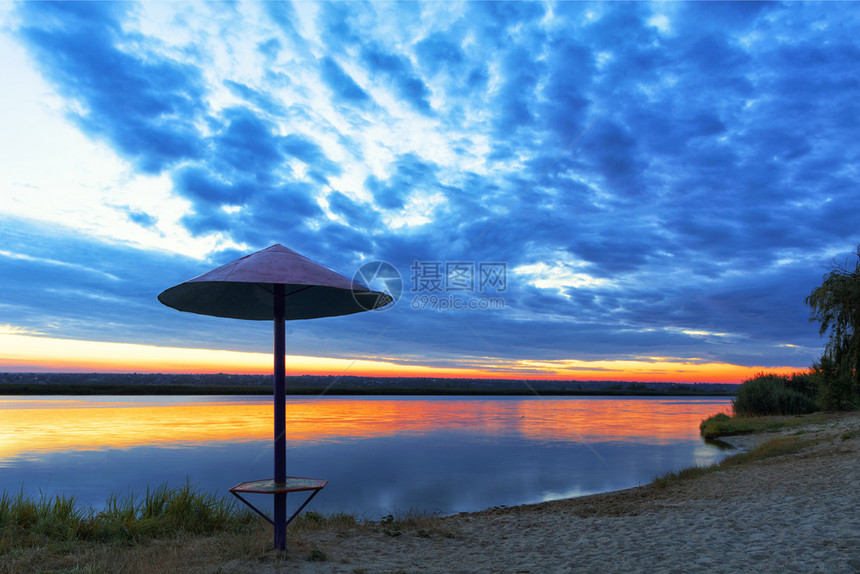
x=835 y=304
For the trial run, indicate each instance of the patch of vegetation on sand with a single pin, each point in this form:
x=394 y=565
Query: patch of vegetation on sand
x=772 y=448
x=720 y=425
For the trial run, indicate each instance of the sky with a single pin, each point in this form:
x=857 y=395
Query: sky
x=608 y=191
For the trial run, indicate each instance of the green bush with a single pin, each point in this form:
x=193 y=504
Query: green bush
x=837 y=394
x=837 y=390
x=771 y=394
x=803 y=383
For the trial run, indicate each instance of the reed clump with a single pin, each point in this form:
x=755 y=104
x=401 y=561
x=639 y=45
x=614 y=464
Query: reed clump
x=774 y=394
x=26 y=521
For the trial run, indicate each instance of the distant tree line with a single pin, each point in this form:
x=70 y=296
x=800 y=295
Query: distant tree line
x=221 y=383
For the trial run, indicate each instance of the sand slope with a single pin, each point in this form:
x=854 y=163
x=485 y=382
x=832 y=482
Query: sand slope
x=793 y=513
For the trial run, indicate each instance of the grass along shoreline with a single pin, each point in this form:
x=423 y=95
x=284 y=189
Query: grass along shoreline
x=785 y=435
x=150 y=532
x=162 y=512
x=722 y=425
x=772 y=448
x=185 y=530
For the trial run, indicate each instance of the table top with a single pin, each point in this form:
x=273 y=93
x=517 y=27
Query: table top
x=269 y=486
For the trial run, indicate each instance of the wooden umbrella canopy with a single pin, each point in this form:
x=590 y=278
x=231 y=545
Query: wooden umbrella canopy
x=274 y=284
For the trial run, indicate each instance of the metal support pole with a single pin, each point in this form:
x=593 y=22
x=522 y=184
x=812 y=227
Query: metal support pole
x=280 y=511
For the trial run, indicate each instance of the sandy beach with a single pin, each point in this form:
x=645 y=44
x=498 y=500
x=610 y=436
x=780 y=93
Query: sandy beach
x=791 y=513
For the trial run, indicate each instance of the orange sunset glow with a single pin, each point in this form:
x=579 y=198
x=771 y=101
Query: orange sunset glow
x=30 y=353
x=124 y=424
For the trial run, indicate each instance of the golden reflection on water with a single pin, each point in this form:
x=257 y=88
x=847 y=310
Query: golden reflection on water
x=30 y=425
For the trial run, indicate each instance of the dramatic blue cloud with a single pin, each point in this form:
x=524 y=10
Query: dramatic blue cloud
x=437 y=53
x=399 y=71
x=145 y=106
x=411 y=175
x=343 y=86
x=659 y=179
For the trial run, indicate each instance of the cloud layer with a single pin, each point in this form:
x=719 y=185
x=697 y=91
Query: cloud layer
x=659 y=180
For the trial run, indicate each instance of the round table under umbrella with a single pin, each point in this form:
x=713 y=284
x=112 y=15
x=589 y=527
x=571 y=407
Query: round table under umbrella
x=275 y=284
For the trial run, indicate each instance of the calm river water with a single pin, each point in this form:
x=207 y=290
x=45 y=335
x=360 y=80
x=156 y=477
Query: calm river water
x=379 y=454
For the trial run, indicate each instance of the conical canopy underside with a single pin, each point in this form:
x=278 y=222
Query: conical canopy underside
x=243 y=289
